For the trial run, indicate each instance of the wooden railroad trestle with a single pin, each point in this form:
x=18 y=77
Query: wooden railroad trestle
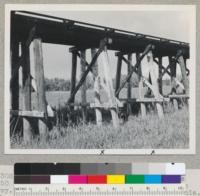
x=22 y=59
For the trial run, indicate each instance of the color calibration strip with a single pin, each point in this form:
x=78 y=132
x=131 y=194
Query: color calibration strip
x=99 y=179
x=98 y=173
x=99 y=168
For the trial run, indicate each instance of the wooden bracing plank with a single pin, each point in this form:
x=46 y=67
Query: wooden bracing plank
x=73 y=75
x=19 y=61
x=106 y=105
x=31 y=36
x=154 y=83
x=179 y=96
x=179 y=83
x=173 y=83
x=97 y=100
x=89 y=67
x=39 y=77
x=26 y=77
x=173 y=74
x=109 y=87
x=78 y=104
x=140 y=88
x=118 y=73
x=183 y=73
x=84 y=61
x=171 y=63
x=143 y=79
x=153 y=86
x=145 y=100
x=26 y=92
x=164 y=69
x=14 y=82
x=160 y=74
x=31 y=114
x=134 y=68
x=83 y=88
x=129 y=87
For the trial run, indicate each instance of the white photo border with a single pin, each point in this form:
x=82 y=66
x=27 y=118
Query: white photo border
x=102 y=7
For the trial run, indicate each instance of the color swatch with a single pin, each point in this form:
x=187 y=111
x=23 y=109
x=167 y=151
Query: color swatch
x=98 y=168
x=98 y=179
x=115 y=179
x=98 y=173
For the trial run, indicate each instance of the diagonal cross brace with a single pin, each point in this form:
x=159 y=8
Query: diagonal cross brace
x=82 y=59
x=134 y=68
x=21 y=59
x=141 y=76
x=175 y=59
x=103 y=43
x=165 y=69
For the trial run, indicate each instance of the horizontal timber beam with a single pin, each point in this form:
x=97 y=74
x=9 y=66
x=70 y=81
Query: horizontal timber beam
x=105 y=105
x=32 y=114
x=75 y=49
x=144 y=100
x=178 y=96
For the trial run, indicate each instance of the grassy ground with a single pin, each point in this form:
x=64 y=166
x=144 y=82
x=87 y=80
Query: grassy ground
x=151 y=132
x=170 y=132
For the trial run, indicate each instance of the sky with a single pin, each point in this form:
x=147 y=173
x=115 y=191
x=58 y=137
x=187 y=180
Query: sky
x=168 y=24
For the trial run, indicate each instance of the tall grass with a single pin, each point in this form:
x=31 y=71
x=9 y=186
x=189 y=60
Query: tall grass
x=170 y=132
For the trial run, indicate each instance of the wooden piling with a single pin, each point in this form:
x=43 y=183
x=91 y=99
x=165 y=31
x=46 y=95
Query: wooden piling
x=97 y=100
x=184 y=75
x=40 y=83
x=173 y=74
x=26 y=92
x=141 y=88
x=129 y=87
x=118 y=73
x=83 y=88
x=110 y=89
x=160 y=74
x=73 y=74
x=15 y=76
x=154 y=80
x=173 y=67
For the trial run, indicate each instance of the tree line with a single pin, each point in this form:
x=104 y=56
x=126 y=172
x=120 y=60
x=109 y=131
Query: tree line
x=59 y=84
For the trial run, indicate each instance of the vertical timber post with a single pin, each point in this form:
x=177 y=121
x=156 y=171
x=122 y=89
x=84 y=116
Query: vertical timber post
x=26 y=92
x=129 y=85
x=83 y=88
x=118 y=73
x=15 y=75
x=73 y=74
x=184 y=75
x=154 y=80
x=160 y=74
x=140 y=88
x=39 y=76
x=185 y=61
x=173 y=74
x=110 y=89
x=96 y=89
x=173 y=83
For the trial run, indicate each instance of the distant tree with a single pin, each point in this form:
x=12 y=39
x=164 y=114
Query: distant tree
x=58 y=84
x=134 y=80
